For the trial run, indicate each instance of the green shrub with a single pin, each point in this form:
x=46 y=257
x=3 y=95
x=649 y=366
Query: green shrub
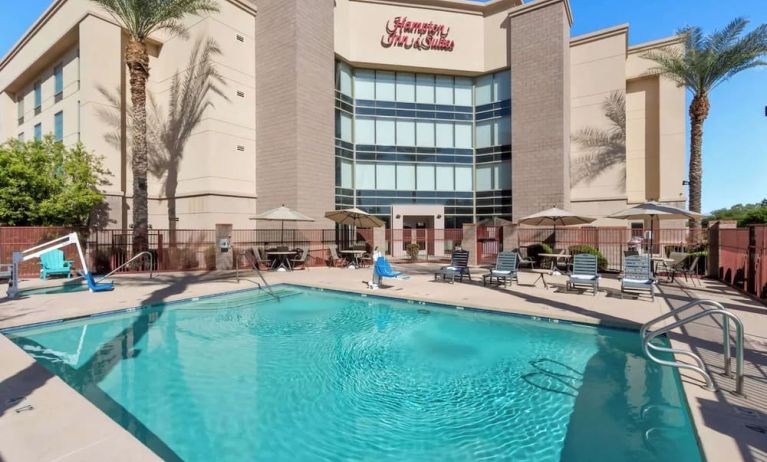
x=601 y=260
x=413 y=250
x=535 y=249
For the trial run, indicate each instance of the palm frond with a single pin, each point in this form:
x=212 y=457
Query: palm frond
x=141 y=18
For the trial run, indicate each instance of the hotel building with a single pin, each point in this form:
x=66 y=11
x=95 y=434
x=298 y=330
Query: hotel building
x=426 y=113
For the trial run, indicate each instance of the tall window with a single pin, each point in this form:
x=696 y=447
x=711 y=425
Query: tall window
x=38 y=97
x=38 y=132
x=58 y=126
x=20 y=108
x=21 y=137
x=58 y=77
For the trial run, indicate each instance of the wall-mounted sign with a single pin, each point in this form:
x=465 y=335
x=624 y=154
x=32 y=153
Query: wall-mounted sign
x=416 y=35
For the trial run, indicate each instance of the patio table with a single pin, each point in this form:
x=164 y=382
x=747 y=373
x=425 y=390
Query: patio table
x=541 y=273
x=281 y=259
x=657 y=260
x=354 y=258
x=555 y=257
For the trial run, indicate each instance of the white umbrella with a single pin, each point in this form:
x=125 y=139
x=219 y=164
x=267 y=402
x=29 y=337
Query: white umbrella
x=282 y=214
x=354 y=217
x=655 y=211
x=555 y=217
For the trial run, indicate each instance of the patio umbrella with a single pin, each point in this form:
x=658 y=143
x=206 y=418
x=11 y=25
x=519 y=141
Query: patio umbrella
x=282 y=214
x=494 y=221
x=654 y=211
x=555 y=217
x=354 y=217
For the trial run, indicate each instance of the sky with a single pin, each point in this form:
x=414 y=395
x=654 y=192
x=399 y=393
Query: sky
x=735 y=135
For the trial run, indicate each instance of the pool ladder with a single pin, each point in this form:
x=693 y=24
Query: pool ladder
x=143 y=254
x=254 y=265
x=708 y=308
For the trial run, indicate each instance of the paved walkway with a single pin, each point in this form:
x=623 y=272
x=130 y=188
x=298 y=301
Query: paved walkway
x=729 y=426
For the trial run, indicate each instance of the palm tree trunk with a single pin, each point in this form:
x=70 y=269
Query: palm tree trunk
x=137 y=59
x=698 y=113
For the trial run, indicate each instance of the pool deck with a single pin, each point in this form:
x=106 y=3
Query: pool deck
x=59 y=424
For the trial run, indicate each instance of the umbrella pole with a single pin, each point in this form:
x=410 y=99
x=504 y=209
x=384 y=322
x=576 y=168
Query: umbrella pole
x=282 y=232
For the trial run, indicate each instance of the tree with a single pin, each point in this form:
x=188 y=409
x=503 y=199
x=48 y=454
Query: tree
x=141 y=18
x=745 y=214
x=44 y=183
x=705 y=62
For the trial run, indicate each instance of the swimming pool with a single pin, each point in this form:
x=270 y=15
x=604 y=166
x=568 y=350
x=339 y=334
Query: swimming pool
x=324 y=375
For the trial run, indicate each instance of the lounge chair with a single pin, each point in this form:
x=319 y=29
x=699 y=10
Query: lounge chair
x=459 y=266
x=585 y=272
x=300 y=259
x=53 y=264
x=334 y=260
x=524 y=258
x=5 y=271
x=505 y=270
x=637 y=275
x=675 y=265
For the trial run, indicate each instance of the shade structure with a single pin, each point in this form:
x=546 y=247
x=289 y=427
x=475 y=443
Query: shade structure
x=555 y=217
x=655 y=211
x=354 y=217
x=282 y=214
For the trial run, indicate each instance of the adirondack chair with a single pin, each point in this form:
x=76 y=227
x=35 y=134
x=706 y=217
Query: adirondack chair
x=53 y=264
x=459 y=266
x=585 y=272
x=637 y=275
x=505 y=270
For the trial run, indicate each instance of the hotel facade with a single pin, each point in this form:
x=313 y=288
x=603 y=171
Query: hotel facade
x=426 y=113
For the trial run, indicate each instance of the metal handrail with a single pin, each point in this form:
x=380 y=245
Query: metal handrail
x=709 y=308
x=254 y=265
x=135 y=257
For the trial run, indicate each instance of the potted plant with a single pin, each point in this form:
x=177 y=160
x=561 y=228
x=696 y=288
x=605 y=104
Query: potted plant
x=413 y=250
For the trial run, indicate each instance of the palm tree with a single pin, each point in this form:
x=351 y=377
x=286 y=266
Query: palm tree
x=141 y=18
x=705 y=62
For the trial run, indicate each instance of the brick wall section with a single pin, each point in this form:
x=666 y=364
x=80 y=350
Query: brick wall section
x=540 y=106
x=295 y=121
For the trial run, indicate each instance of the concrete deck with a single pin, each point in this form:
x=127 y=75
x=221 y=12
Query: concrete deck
x=729 y=427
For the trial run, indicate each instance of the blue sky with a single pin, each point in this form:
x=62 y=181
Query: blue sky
x=735 y=135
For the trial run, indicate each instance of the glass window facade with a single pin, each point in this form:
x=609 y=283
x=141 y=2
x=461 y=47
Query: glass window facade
x=58 y=80
x=38 y=96
x=413 y=138
x=38 y=132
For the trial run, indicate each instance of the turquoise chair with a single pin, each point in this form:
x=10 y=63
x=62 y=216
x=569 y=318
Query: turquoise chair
x=53 y=264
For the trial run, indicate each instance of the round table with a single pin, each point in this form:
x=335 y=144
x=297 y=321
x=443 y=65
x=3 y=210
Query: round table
x=281 y=259
x=354 y=259
x=541 y=273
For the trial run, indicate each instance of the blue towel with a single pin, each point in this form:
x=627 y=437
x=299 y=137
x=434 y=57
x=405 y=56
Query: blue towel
x=383 y=268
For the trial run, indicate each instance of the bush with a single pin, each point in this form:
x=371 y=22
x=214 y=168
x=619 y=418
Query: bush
x=601 y=260
x=535 y=249
x=210 y=257
x=413 y=250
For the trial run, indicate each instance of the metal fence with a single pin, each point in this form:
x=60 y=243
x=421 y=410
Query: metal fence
x=437 y=243
x=740 y=258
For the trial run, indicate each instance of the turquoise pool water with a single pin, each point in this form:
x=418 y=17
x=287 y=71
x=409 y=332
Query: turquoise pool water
x=324 y=375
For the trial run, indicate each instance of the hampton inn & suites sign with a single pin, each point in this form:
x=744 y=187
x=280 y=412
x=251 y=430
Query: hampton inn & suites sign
x=400 y=32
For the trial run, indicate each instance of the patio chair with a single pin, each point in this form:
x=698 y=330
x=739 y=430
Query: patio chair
x=260 y=262
x=334 y=260
x=53 y=264
x=637 y=275
x=301 y=257
x=690 y=270
x=459 y=266
x=505 y=270
x=670 y=269
x=524 y=258
x=585 y=272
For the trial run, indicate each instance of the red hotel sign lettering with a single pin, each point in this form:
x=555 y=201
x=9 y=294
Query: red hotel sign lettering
x=416 y=35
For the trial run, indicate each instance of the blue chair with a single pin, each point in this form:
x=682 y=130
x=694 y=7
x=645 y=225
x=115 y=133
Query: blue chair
x=53 y=264
x=585 y=272
x=637 y=275
x=382 y=269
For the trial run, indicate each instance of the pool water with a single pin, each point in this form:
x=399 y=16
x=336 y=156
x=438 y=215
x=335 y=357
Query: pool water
x=322 y=375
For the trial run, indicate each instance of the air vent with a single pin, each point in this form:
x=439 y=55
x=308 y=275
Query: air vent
x=240 y=38
x=240 y=147
x=240 y=93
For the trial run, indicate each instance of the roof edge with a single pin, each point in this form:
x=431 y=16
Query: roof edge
x=600 y=35
x=484 y=9
x=538 y=4
x=654 y=44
